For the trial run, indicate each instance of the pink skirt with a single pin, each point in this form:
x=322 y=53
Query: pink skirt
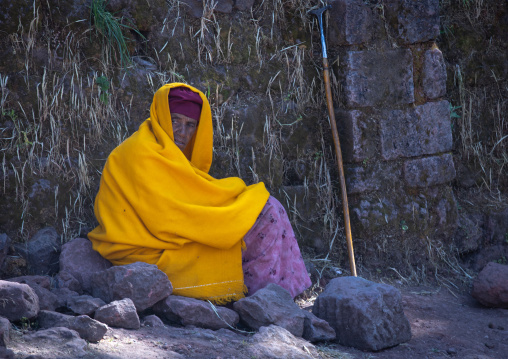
x=272 y=254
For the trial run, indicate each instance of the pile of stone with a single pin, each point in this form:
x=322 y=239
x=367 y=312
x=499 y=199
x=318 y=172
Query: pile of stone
x=87 y=295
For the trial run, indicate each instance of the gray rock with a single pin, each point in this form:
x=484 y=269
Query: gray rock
x=490 y=288
x=74 y=345
x=358 y=134
x=88 y=328
x=5 y=332
x=365 y=315
x=430 y=171
x=271 y=305
x=373 y=176
x=40 y=285
x=275 y=342
x=42 y=252
x=63 y=295
x=120 y=314
x=497 y=227
x=144 y=283
x=80 y=260
x=66 y=280
x=316 y=330
x=6 y=353
x=469 y=234
x=19 y=301
x=434 y=74
x=84 y=304
x=39 y=280
x=152 y=321
x=191 y=311
x=425 y=130
x=376 y=79
x=5 y=242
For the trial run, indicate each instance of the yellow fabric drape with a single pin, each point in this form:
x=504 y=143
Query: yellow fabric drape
x=156 y=206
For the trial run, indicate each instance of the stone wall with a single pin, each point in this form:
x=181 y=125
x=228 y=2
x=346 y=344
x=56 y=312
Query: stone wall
x=395 y=123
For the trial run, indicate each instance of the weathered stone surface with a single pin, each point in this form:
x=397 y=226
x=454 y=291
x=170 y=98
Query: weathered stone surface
x=84 y=304
x=490 y=288
x=434 y=74
x=379 y=78
x=243 y=5
x=74 y=345
x=144 y=283
x=358 y=135
x=6 y=353
x=469 y=233
x=5 y=331
x=5 y=242
x=47 y=300
x=81 y=261
x=365 y=315
x=430 y=171
x=423 y=131
x=120 y=313
x=417 y=21
x=88 y=328
x=497 y=227
x=66 y=280
x=316 y=330
x=271 y=305
x=371 y=176
x=190 y=311
x=63 y=295
x=20 y=301
x=351 y=22
x=39 y=280
x=42 y=252
x=152 y=321
x=276 y=342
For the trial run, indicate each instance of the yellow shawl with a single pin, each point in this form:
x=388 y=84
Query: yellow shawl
x=156 y=206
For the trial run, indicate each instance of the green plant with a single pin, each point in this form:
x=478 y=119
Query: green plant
x=103 y=83
x=111 y=28
x=403 y=225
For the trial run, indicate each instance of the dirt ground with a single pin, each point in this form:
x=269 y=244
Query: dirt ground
x=444 y=324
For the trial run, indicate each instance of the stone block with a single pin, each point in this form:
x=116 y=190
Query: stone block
x=490 y=288
x=351 y=22
x=379 y=78
x=434 y=74
x=364 y=314
x=429 y=171
x=144 y=283
x=19 y=301
x=152 y=321
x=42 y=252
x=120 y=314
x=416 y=21
x=371 y=176
x=80 y=260
x=191 y=311
x=425 y=130
x=84 y=304
x=87 y=328
x=75 y=347
x=358 y=132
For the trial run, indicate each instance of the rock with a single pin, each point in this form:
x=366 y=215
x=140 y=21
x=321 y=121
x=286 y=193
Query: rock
x=316 y=330
x=365 y=315
x=39 y=280
x=497 y=227
x=120 y=314
x=88 y=328
x=84 y=304
x=66 y=280
x=191 y=311
x=5 y=242
x=40 y=285
x=244 y=5
x=490 y=288
x=271 y=305
x=152 y=321
x=63 y=295
x=81 y=261
x=469 y=234
x=20 y=301
x=42 y=252
x=424 y=130
x=74 y=345
x=5 y=332
x=376 y=79
x=434 y=74
x=144 y=283
x=429 y=171
x=276 y=342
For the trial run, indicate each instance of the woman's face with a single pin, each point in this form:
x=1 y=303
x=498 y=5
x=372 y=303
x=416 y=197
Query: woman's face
x=183 y=129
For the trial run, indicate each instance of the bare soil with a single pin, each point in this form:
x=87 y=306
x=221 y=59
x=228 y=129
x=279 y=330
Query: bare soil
x=444 y=324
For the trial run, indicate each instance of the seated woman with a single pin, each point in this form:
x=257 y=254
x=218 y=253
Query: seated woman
x=215 y=239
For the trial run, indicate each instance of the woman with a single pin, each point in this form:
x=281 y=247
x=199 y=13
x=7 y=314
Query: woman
x=157 y=204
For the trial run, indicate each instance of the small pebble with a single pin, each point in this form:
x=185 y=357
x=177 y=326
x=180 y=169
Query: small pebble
x=451 y=351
